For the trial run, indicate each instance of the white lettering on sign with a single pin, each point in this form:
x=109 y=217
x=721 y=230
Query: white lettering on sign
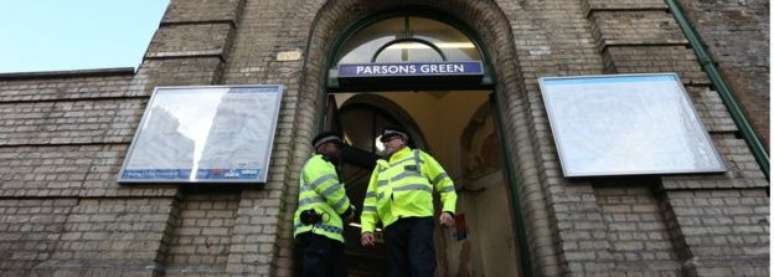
x=385 y=69
x=407 y=69
x=425 y=68
x=442 y=68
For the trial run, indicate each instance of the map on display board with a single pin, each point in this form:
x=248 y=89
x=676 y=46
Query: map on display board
x=626 y=125
x=216 y=134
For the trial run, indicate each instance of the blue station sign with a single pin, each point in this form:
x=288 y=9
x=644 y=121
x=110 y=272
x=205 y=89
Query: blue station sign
x=410 y=69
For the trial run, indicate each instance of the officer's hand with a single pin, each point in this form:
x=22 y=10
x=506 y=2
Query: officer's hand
x=367 y=239
x=447 y=219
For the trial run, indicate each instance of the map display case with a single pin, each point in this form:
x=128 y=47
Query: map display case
x=200 y=134
x=627 y=124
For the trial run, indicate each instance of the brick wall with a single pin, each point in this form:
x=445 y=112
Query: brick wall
x=77 y=237
x=663 y=48
x=646 y=59
x=67 y=171
x=552 y=38
x=201 y=240
x=30 y=231
x=63 y=137
x=638 y=235
x=580 y=41
x=86 y=84
x=267 y=29
x=736 y=33
x=722 y=232
x=62 y=122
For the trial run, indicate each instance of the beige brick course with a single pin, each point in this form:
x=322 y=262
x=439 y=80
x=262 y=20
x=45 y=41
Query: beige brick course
x=63 y=138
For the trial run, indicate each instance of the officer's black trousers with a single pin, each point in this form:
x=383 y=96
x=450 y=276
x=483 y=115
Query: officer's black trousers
x=410 y=247
x=323 y=257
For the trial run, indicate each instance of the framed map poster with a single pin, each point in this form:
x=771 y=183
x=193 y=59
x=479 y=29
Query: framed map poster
x=627 y=125
x=205 y=134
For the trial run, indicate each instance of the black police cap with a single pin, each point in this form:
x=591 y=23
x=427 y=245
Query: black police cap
x=326 y=137
x=392 y=131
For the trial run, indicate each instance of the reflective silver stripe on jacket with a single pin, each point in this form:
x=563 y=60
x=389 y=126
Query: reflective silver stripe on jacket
x=310 y=200
x=369 y=209
x=340 y=203
x=401 y=162
x=440 y=177
x=404 y=174
x=417 y=160
x=321 y=180
x=414 y=187
x=332 y=189
x=448 y=189
x=325 y=227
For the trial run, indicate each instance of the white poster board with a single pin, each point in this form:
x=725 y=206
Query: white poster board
x=626 y=125
x=201 y=134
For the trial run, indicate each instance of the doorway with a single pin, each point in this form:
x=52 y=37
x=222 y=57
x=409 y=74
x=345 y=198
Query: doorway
x=458 y=128
x=425 y=70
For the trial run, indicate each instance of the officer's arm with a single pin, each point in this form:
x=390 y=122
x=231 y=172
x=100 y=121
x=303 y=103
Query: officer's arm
x=442 y=183
x=325 y=182
x=368 y=217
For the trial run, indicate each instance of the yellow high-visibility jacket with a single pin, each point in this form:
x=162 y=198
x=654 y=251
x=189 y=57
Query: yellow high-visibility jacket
x=322 y=192
x=403 y=187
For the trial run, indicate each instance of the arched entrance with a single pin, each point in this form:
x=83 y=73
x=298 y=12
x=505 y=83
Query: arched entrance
x=362 y=117
x=438 y=107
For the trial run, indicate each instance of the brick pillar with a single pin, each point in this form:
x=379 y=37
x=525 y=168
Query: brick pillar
x=716 y=222
x=190 y=47
x=736 y=33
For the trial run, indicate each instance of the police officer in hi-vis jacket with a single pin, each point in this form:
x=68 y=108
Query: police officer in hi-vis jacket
x=322 y=206
x=400 y=196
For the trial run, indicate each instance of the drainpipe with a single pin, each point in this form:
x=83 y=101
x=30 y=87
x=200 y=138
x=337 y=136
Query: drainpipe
x=726 y=94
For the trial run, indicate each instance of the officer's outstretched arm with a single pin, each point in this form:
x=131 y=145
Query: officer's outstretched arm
x=368 y=217
x=325 y=182
x=441 y=181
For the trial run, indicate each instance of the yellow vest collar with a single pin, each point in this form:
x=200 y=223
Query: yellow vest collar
x=401 y=154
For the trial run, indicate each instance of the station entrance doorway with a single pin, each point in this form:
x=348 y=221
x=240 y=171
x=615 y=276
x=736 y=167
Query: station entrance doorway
x=426 y=72
x=459 y=129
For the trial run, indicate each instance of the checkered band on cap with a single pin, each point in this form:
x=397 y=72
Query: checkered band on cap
x=388 y=133
x=330 y=138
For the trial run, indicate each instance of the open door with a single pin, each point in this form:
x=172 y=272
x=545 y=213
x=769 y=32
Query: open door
x=358 y=160
x=331 y=120
x=464 y=132
x=351 y=155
